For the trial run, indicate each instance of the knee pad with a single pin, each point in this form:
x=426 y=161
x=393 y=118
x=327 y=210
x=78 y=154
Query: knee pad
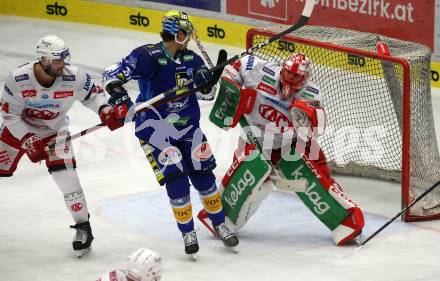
x=202 y=180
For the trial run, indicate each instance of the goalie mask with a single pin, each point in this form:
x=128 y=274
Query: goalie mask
x=175 y=21
x=144 y=265
x=53 y=54
x=294 y=74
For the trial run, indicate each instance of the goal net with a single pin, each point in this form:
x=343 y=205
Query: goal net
x=380 y=120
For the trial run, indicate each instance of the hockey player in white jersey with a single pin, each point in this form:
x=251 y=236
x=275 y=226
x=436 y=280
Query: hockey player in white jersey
x=34 y=104
x=142 y=265
x=280 y=107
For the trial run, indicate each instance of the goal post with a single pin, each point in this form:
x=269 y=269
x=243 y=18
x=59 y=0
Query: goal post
x=380 y=119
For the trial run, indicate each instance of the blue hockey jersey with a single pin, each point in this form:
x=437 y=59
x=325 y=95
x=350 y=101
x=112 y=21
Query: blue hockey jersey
x=156 y=72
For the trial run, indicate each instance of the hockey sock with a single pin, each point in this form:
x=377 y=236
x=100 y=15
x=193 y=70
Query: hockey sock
x=182 y=210
x=68 y=182
x=209 y=195
x=213 y=204
x=180 y=200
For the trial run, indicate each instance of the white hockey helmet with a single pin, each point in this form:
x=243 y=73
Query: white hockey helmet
x=144 y=265
x=52 y=47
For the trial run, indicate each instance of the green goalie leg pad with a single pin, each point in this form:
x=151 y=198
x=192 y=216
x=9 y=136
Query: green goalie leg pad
x=316 y=196
x=250 y=174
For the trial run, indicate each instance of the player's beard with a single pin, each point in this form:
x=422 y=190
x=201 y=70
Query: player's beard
x=51 y=72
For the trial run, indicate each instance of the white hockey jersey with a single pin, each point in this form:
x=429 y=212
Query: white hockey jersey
x=270 y=114
x=26 y=106
x=115 y=275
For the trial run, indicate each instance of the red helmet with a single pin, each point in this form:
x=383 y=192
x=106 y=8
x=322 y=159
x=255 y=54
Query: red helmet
x=294 y=74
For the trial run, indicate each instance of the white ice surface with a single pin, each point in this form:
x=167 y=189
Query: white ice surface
x=129 y=210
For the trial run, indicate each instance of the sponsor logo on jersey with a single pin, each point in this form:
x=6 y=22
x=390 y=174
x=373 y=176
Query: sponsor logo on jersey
x=273 y=115
x=44 y=96
x=230 y=72
x=43 y=104
x=180 y=67
x=202 y=152
x=312 y=89
x=139 y=20
x=162 y=61
x=56 y=9
x=178 y=106
x=153 y=52
x=62 y=94
x=170 y=155
x=28 y=93
x=181 y=79
x=68 y=78
x=266 y=88
x=178 y=121
x=188 y=57
x=250 y=63
x=88 y=85
x=21 y=77
x=8 y=91
x=268 y=71
x=268 y=80
x=189 y=72
x=41 y=114
x=278 y=103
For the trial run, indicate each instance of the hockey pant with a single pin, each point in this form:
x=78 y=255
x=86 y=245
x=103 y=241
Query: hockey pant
x=61 y=165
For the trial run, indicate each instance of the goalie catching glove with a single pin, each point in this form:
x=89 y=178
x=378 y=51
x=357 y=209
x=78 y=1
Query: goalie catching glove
x=308 y=118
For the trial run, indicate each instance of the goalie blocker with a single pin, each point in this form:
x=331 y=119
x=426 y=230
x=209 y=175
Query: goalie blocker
x=246 y=183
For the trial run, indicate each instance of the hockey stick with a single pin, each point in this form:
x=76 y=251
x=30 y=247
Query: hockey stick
x=305 y=15
x=205 y=56
x=399 y=214
x=165 y=97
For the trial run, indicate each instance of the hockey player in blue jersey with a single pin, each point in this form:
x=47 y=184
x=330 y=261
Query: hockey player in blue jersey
x=170 y=134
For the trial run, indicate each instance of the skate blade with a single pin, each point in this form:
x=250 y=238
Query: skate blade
x=81 y=253
x=194 y=257
x=233 y=249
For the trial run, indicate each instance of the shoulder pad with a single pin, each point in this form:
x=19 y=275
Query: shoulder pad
x=153 y=49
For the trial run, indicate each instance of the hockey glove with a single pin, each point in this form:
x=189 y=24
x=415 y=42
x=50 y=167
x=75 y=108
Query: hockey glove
x=308 y=118
x=34 y=147
x=203 y=77
x=112 y=117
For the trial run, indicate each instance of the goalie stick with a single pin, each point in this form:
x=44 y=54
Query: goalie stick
x=165 y=97
x=434 y=186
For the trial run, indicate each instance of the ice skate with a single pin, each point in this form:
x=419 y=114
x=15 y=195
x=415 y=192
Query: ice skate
x=191 y=244
x=82 y=241
x=228 y=237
